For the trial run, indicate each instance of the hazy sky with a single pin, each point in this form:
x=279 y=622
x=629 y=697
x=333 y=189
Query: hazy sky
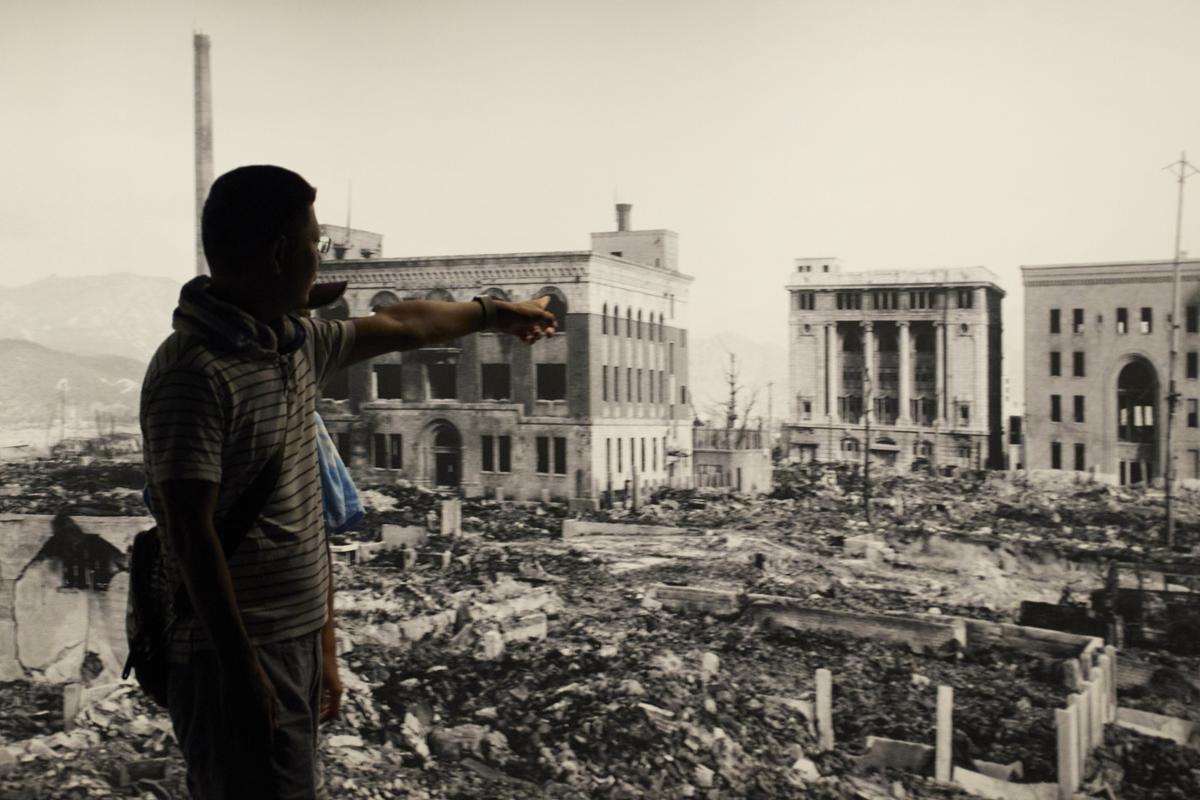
x=893 y=134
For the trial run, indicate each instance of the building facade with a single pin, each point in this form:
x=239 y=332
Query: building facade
x=1097 y=345
x=580 y=416
x=732 y=459
x=920 y=350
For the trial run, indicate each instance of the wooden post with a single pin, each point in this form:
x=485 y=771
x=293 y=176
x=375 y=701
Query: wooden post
x=1097 y=716
x=1106 y=714
x=1068 y=751
x=945 y=734
x=825 y=709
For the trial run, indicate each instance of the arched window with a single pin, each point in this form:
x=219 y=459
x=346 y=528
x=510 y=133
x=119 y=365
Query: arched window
x=660 y=327
x=336 y=310
x=629 y=323
x=616 y=321
x=557 y=306
x=496 y=293
x=639 y=325
x=849 y=445
x=604 y=319
x=439 y=294
x=382 y=300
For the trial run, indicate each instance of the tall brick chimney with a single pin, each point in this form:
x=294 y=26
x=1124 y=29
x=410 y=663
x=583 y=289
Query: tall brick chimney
x=204 y=142
x=623 y=212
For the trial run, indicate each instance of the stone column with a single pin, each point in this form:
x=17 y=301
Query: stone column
x=869 y=382
x=939 y=369
x=833 y=371
x=906 y=376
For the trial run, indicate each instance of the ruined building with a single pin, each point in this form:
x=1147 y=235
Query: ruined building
x=1097 y=344
x=600 y=406
x=920 y=350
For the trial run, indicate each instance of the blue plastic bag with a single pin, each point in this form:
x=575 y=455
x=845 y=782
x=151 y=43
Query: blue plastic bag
x=343 y=507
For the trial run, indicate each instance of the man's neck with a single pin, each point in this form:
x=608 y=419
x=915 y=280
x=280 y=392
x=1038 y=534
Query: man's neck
x=247 y=299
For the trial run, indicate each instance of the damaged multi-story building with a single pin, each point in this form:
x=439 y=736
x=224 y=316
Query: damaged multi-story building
x=1097 y=347
x=589 y=414
x=920 y=350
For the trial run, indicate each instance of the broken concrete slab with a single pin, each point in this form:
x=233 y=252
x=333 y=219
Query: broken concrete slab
x=884 y=753
x=687 y=598
x=1180 y=731
x=398 y=536
x=920 y=635
x=572 y=528
x=983 y=786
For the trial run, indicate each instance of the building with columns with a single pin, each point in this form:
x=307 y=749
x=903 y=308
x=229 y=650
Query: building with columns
x=1097 y=352
x=920 y=351
x=588 y=414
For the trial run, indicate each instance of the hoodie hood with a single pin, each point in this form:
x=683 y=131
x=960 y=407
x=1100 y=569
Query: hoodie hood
x=227 y=327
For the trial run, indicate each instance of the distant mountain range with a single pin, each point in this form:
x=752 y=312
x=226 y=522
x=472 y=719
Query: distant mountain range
x=109 y=315
x=35 y=380
x=122 y=318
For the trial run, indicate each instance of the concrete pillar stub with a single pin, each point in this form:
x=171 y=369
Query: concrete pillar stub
x=944 y=757
x=824 y=710
x=1066 y=721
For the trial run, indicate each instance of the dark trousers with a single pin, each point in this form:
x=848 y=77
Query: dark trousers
x=214 y=772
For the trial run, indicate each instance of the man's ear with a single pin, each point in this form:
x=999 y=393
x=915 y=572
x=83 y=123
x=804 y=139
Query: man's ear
x=278 y=254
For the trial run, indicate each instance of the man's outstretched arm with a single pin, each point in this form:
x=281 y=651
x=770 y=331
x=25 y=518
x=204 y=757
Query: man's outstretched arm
x=422 y=323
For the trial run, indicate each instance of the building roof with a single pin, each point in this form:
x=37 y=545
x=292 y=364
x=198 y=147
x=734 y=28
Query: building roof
x=951 y=276
x=489 y=259
x=1118 y=271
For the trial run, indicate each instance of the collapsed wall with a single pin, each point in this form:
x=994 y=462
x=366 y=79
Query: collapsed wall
x=64 y=581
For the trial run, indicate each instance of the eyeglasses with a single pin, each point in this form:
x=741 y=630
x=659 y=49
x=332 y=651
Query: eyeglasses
x=323 y=244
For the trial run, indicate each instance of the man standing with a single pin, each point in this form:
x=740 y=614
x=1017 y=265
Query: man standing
x=253 y=666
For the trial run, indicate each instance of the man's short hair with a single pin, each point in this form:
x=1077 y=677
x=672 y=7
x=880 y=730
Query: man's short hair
x=248 y=207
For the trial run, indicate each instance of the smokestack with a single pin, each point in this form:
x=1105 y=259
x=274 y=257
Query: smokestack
x=623 y=212
x=204 y=145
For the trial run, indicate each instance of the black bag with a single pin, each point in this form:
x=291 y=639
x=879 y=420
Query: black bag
x=154 y=605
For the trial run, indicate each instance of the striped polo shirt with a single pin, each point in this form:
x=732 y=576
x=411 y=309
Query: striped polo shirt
x=217 y=402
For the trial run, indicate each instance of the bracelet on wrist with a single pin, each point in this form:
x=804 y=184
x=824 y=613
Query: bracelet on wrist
x=489 y=312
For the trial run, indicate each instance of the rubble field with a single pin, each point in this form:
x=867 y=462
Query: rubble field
x=526 y=665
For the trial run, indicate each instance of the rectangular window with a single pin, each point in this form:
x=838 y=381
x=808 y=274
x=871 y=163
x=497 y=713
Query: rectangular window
x=1122 y=320
x=543 y=455
x=1055 y=408
x=551 y=381
x=1055 y=455
x=604 y=383
x=629 y=384
x=671 y=357
x=1077 y=320
x=1193 y=319
x=805 y=408
x=662 y=386
x=560 y=455
x=443 y=381
x=966 y=298
x=496 y=380
x=1080 y=457
x=379 y=451
x=388 y=385
x=639 y=384
x=1055 y=314
x=395 y=451
x=964 y=413
x=604 y=320
x=487 y=454
x=683 y=395
x=1147 y=325
x=620 y=456
x=1078 y=367
x=1079 y=409
x=650 y=385
x=1055 y=363
x=608 y=456
x=617 y=384
x=1192 y=416
x=642 y=446
x=1193 y=367
x=505 y=454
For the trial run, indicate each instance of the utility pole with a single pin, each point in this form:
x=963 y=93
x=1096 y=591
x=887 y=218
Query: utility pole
x=770 y=416
x=867 y=402
x=1182 y=170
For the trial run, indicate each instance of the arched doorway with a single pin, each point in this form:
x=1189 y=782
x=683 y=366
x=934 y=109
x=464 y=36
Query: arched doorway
x=447 y=455
x=1137 y=421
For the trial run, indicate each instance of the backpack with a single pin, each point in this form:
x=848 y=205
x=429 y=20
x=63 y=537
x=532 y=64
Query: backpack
x=156 y=604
